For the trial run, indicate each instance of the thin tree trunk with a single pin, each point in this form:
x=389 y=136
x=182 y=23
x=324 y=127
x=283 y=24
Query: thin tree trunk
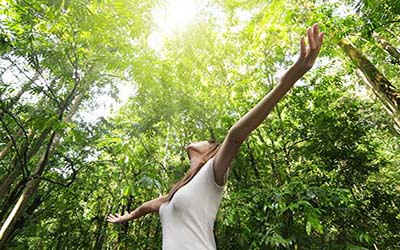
x=99 y=234
x=29 y=211
x=7 y=180
x=5 y=186
x=385 y=91
x=101 y=227
x=253 y=162
x=12 y=198
x=16 y=166
x=9 y=226
x=388 y=47
x=9 y=145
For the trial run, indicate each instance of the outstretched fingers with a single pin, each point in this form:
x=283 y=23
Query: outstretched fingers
x=303 y=49
x=313 y=42
x=310 y=36
x=321 y=39
x=316 y=35
x=308 y=54
x=112 y=217
x=315 y=39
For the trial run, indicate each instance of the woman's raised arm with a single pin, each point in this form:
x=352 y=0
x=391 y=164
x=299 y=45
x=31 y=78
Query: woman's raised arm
x=251 y=120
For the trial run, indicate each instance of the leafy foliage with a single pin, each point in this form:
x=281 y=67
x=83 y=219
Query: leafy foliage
x=320 y=173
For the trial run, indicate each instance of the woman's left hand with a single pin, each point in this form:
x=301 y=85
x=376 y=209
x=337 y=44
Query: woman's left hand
x=116 y=219
x=308 y=54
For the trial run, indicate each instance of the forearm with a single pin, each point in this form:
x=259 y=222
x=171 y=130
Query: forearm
x=137 y=213
x=252 y=119
x=147 y=207
x=151 y=206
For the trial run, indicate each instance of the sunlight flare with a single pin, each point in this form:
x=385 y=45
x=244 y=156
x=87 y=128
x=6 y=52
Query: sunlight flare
x=173 y=16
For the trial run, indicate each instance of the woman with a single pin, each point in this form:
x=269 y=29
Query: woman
x=188 y=212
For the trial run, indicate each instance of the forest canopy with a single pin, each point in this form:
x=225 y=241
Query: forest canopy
x=98 y=99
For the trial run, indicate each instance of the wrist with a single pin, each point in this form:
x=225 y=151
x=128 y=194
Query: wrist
x=135 y=214
x=294 y=73
x=299 y=69
x=128 y=217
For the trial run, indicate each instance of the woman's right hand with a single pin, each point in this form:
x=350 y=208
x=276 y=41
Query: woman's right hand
x=308 y=54
x=117 y=218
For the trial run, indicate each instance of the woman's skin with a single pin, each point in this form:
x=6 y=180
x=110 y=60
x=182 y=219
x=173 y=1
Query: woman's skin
x=238 y=133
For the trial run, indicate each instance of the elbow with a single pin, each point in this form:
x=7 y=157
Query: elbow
x=144 y=209
x=235 y=135
x=141 y=210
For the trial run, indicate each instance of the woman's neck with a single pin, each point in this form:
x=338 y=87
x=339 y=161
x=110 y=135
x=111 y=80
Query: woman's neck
x=195 y=160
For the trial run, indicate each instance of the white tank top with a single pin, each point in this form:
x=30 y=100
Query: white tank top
x=188 y=219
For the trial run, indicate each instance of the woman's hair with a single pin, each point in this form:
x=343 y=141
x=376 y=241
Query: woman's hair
x=210 y=153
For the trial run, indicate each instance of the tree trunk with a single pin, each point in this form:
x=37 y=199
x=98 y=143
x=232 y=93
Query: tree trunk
x=12 y=198
x=29 y=211
x=5 y=185
x=253 y=162
x=9 y=226
x=9 y=145
x=101 y=223
x=383 y=89
x=388 y=47
x=17 y=166
x=7 y=180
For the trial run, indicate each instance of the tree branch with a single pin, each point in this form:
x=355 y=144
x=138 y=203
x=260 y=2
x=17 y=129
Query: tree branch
x=154 y=159
x=51 y=96
x=73 y=176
